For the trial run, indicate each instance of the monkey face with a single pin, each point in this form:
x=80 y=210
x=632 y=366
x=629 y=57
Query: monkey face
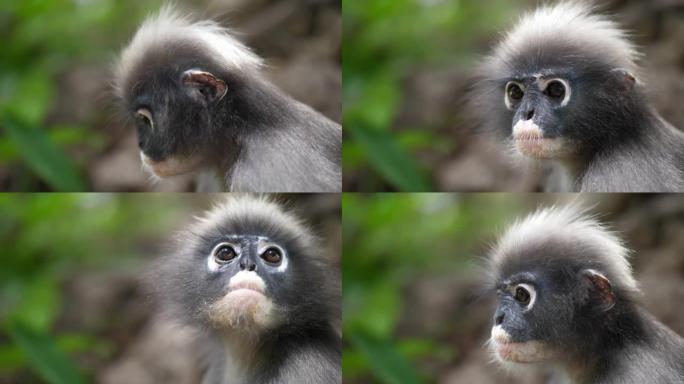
x=515 y=338
x=564 y=109
x=536 y=102
x=544 y=308
x=174 y=104
x=247 y=276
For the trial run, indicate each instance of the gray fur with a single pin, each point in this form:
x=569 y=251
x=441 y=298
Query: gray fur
x=300 y=342
x=596 y=335
x=251 y=138
x=614 y=140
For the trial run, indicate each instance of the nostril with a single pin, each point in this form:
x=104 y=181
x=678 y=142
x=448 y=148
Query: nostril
x=252 y=267
x=499 y=319
x=530 y=114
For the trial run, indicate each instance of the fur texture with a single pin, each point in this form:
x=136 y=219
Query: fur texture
x=214 y=113
x=616 y=142
x=263 y=324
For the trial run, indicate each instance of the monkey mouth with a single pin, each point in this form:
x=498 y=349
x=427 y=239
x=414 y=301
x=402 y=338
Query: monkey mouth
x=530 y=141
x=168 y=167
x=245 y=287
x=523 y=352
x=247 y=283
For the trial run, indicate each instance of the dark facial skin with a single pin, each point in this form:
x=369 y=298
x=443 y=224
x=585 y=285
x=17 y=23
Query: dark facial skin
x=576 y=307
x=603 y=105
x=182 y=118
x=548 y=318
x=194 y=287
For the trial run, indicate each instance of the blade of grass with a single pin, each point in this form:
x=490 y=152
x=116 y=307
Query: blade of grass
x=45 y=158
x=44 y=357
x=388 y=365
x=390 y=160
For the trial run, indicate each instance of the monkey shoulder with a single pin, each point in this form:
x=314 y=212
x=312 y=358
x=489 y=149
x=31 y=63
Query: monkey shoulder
x=303 y=361
x=292 y=159
x=637 y=168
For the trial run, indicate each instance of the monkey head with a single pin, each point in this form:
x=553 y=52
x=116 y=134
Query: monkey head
x=560 y=85
x=558 y=276
x=177 y=80
x=248 y=267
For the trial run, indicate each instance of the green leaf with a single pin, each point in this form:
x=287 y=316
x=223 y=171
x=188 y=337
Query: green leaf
x=43 y=156
x=44 y=357
x=388 y=364
x=40 y=303
x=390 y=160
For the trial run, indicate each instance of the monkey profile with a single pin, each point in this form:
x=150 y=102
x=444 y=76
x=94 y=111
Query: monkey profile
x=253 y=280
x=201 y=105
x=567 y=300
x=562 y=89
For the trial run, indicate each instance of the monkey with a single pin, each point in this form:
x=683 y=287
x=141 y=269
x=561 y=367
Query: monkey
x=561 y=89
x=201 y=105
x=251 y=278
x=567 y=299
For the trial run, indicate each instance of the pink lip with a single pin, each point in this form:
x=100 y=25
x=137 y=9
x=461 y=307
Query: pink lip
x=246 y=286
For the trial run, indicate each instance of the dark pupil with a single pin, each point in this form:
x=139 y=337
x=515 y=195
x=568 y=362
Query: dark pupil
x=556 y=89
x=225 y=253
x=522 y=296
x=515 y=93
x=272 y=255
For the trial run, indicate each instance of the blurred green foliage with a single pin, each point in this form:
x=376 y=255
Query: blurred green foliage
x=390 y=240
x=384 y=41
x=42 y=40
x=47 y=240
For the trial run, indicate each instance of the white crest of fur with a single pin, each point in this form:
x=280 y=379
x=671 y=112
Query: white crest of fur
x=169 y=26
x=242 y=205
x=574 y=22
x=576 y=226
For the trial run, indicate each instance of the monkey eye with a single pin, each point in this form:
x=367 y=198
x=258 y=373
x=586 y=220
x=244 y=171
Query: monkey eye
x=224 y=253
x=144 y=115
x=555 y=89
x=514 y=91
x=524 y=294
x=272 y=255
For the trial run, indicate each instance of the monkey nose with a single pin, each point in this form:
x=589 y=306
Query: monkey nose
x=248 y=265
x=529 y=115
x=499 y=318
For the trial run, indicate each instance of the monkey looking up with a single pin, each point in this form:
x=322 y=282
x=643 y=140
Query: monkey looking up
x=201 y=104
x=568 y=301
x=253 y=280
x=562 y=88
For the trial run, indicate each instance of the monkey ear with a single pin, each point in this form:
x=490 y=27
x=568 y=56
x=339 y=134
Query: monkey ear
x=625 y=77
x=204 y=85
x=600 y=289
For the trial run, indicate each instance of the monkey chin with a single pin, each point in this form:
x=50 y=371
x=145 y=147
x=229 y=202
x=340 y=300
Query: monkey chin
x=171 y=166
x=507 y=351
x=530 y=141
x=245 y=307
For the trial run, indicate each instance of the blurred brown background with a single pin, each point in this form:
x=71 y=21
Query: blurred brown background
x=59 y=128
x=412 y=311
x=407 y=71
x=74 y=307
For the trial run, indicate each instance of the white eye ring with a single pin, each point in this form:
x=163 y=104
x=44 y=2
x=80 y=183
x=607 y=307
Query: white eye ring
x=507 y=100
x=284 y=259
x=543 y=84
x=214 y=265
x=145 y=114
x=532 y=292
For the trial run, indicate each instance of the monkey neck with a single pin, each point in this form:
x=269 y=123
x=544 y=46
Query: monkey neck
x=600 y=352
x=635 y=131
x=254 y=354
